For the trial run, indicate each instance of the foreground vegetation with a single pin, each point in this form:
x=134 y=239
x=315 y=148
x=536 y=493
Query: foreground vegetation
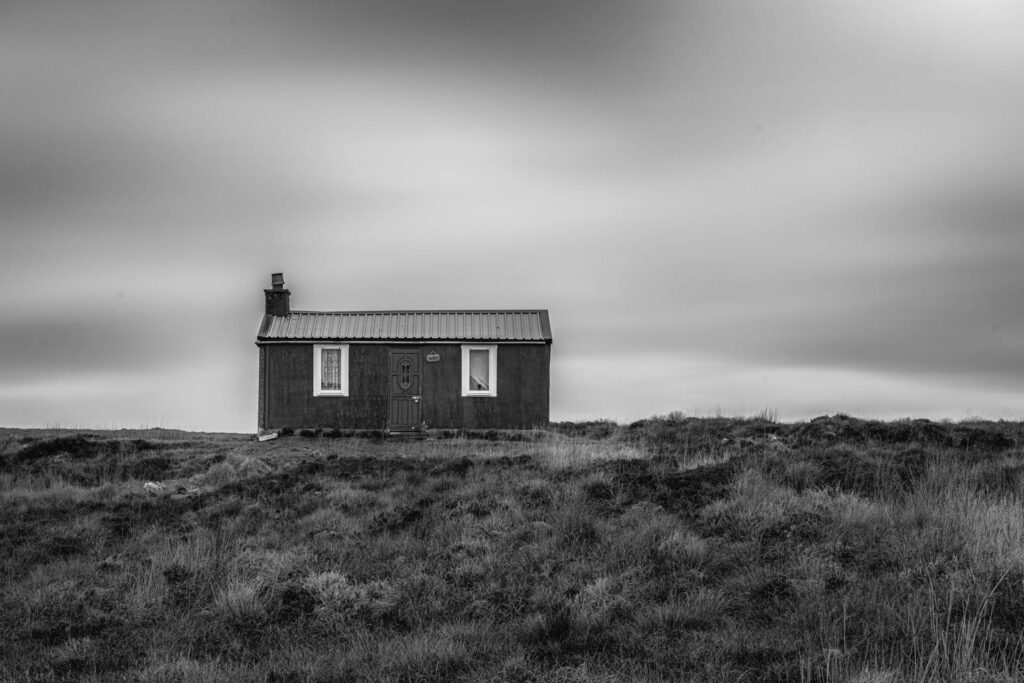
x=670 y=549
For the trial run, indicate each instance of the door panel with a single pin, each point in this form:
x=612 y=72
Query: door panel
x=405 y=390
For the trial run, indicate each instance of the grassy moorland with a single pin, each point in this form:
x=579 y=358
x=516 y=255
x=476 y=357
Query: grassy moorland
x=670 y=549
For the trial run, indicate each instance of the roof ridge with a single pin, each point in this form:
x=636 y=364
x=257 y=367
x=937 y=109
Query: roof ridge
x=524 y=325
x=423 y=310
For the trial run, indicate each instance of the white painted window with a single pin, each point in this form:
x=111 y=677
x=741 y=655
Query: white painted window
x=479 y=370
x=330 y=370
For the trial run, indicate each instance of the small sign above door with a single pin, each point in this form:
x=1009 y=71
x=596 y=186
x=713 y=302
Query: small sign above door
x=433 y=357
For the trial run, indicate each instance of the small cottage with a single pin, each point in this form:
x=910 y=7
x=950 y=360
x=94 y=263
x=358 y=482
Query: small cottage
x=401 y=371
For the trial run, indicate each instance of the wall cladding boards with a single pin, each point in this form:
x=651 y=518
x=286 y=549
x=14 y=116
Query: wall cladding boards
x=522 y=401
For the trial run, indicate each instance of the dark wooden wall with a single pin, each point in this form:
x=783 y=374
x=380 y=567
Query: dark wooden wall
x=286 y=389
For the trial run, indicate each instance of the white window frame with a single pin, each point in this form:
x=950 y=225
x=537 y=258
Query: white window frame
x=492 y=369
x=317 y=370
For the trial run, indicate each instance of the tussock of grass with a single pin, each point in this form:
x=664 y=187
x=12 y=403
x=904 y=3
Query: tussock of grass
x=674 y=548
x=559 y=452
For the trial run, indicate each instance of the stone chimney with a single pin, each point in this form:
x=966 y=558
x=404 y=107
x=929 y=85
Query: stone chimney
x=277 y=296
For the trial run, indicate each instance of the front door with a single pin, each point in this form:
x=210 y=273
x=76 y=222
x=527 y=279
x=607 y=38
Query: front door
x=404 y=391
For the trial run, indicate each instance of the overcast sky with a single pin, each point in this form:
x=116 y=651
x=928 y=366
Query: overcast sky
x=802 y=206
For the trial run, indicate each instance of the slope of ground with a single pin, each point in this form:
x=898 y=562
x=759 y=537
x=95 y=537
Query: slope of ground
x=670 y=549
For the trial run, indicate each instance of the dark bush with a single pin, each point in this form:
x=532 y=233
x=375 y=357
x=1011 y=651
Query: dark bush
x=458 y=467
x=550 y=627
x=1001 y=480
x=77 y=446
x=593 y=429
x=980 y=436
x=771 y=590
x=599 y=490
x=681 y=435
x=685 y=491
x=290 y=603
x=870 y=472
x=60 y=546
x=181 y=585
x=153 y=467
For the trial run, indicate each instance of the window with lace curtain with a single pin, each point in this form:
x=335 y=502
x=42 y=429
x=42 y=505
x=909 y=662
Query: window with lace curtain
x=330 y=370
x=479 y=370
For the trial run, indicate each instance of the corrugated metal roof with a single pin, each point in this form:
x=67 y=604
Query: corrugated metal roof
x=408 y=325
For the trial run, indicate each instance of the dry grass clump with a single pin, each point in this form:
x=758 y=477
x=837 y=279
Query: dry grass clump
x=560 y=452
x=675 y=548
x=236 y=466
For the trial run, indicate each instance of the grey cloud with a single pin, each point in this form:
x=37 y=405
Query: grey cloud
x=69 y=344
x=764 y=184
x=107 y=337
x=552 y=37
x=953 y=312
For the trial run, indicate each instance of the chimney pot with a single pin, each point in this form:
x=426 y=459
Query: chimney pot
x=277 y=280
